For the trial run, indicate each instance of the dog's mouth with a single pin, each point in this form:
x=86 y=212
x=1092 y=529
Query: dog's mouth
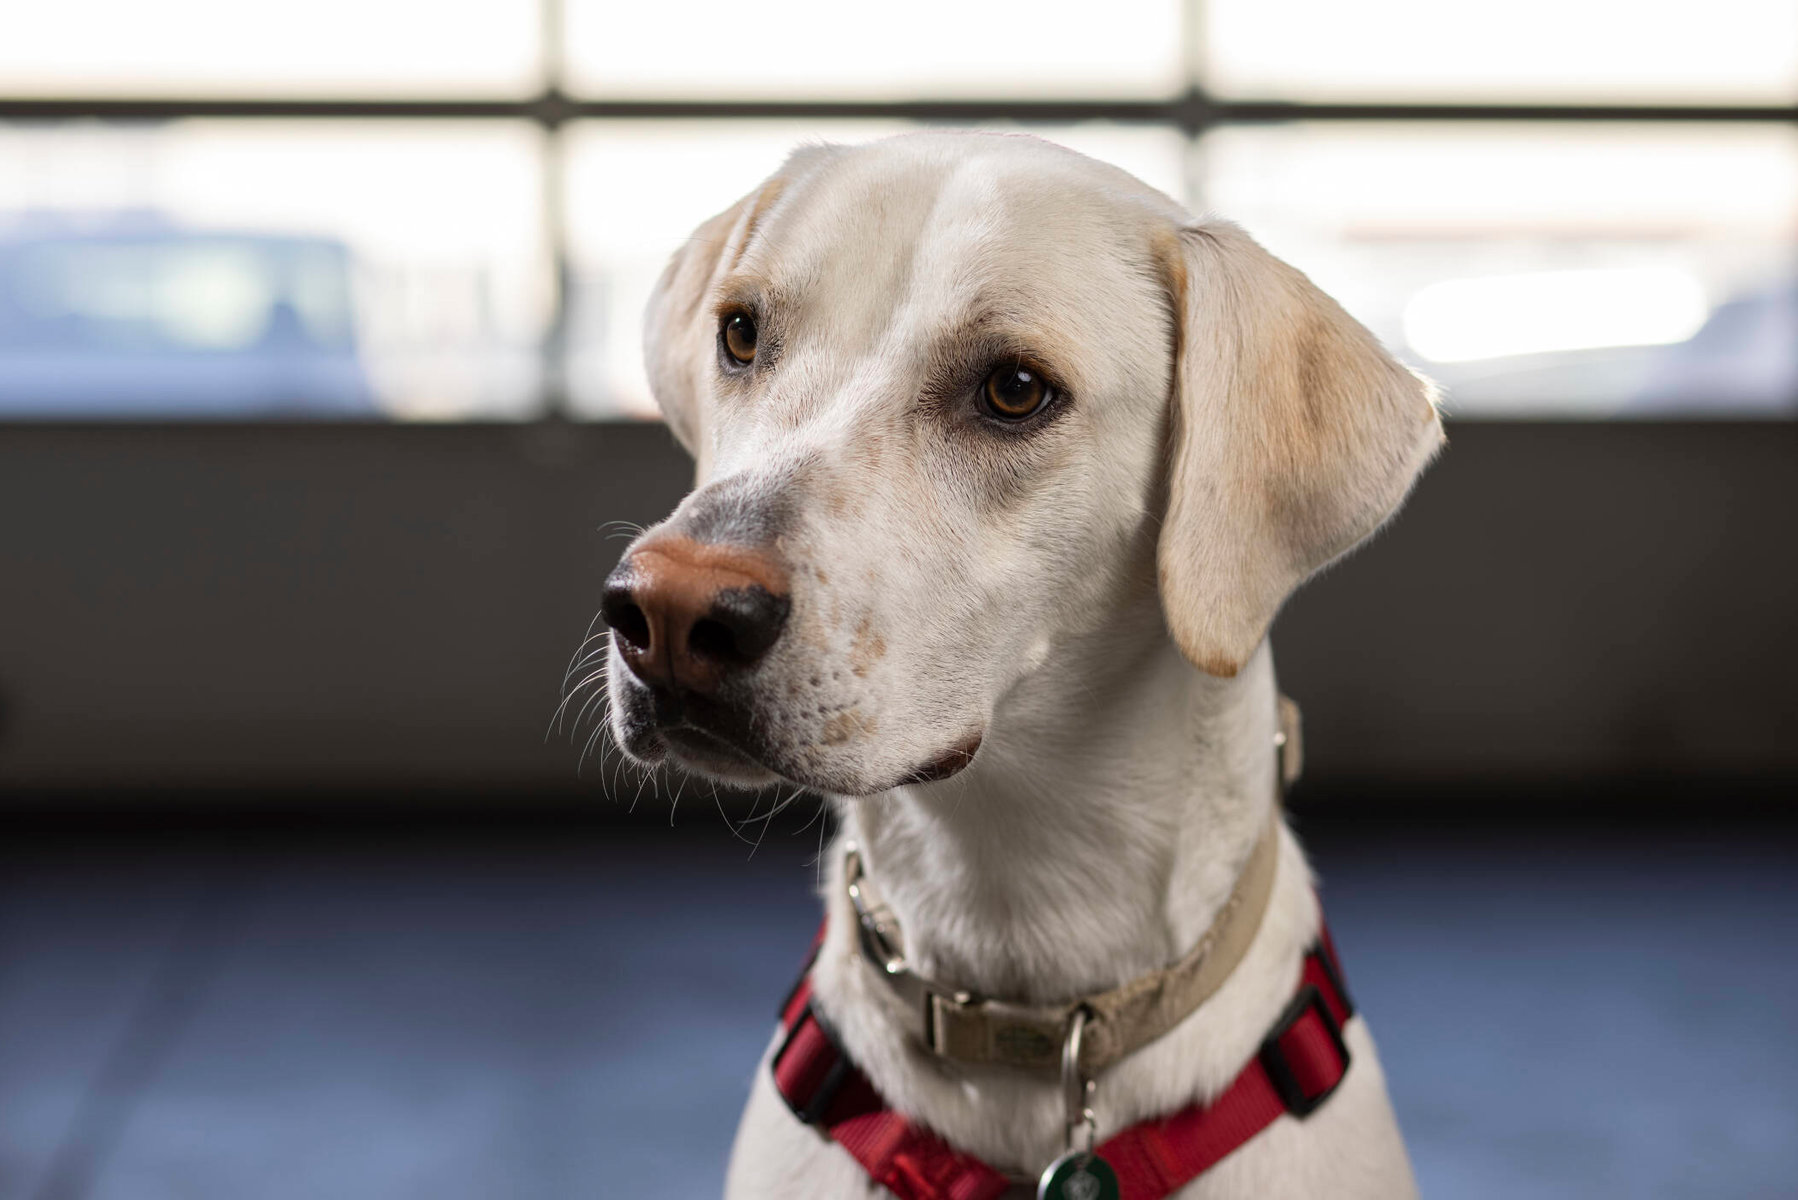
x=709 y=754
x=699 y=737
x=951 y=762
x=723 y=742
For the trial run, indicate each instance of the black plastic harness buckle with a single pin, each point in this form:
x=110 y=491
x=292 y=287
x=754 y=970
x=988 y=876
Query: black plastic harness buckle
x=811 y=1109
x=1279 y=1068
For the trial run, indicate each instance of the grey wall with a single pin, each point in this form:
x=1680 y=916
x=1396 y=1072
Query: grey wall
x=297 y=607
x=1566 y=601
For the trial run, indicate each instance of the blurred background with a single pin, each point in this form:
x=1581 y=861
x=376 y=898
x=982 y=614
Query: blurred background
x=320 y=389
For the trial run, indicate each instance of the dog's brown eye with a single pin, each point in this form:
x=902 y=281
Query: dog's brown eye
x=739 y=337
x=1013 y=393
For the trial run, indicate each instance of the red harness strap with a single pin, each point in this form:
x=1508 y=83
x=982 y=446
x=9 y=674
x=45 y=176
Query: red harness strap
x=1301 y=1062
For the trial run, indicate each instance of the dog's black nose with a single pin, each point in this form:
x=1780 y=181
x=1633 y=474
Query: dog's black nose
x=687 y=615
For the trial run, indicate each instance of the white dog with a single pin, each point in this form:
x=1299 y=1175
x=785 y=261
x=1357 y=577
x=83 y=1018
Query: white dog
x=1005 y=466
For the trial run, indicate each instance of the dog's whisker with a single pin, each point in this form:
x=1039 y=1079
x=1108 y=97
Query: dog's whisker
x=778 y=808
x=718 y=801
x=562 y=708
x=817 y=862
x=755 y=805
x=816 y=817
x=592 y=635
x=613 y=528
x=768 y=820
x=594 y=701
x=581 y=660
x=593 y=670
x=587 y=749
x=588 y=636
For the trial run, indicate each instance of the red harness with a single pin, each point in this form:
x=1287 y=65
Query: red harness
x=1300 y=1064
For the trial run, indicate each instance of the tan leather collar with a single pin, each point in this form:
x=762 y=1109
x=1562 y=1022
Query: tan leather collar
x=957 y=1024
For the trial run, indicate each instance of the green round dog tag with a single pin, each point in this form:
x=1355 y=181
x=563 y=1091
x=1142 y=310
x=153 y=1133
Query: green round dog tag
x=1078 y=1175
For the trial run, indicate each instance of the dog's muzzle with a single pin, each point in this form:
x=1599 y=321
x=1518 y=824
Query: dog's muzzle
x=690 y=619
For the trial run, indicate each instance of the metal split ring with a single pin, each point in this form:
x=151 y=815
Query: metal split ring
x=1077 y=1092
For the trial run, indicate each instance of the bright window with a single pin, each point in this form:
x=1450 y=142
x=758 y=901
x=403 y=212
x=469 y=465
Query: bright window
x=926 y=48
x=272 y=268
x=1572 y=269
x=1595 y=51
x=212 y=48
x=455 y=210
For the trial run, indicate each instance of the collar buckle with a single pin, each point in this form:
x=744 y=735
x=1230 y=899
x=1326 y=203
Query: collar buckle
x=940 y=1010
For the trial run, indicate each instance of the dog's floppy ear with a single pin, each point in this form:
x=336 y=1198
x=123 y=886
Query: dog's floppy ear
x=1294 y=436
x=677 y=329
x=678 y=334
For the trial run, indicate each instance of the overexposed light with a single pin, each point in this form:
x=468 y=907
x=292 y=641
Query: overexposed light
x=1610 y=51
x=820 y=48
x=234 y=47
x=1540 y=312
x=427 y=234
x=1493 y=179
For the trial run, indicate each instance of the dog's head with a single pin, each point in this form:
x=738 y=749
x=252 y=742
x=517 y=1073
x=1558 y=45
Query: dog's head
x=952 y=397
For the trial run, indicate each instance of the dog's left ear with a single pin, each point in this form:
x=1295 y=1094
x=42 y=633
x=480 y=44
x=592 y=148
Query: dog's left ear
x=1295 y=436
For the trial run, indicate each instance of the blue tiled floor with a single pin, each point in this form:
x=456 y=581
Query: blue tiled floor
x=1572 y=1015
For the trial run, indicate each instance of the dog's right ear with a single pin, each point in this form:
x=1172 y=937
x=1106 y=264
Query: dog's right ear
x=677 y=326
x=679 y=338
x=1294 y=436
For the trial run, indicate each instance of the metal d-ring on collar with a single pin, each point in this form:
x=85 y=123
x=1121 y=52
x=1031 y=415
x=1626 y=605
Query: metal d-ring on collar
x=875 y=928
x=1077 y=1091
x=1077 y=1173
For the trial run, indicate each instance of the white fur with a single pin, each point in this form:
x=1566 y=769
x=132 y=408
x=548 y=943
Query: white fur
x=1049 y=594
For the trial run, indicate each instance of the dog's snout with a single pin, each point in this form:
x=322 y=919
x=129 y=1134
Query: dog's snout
x=688 y=615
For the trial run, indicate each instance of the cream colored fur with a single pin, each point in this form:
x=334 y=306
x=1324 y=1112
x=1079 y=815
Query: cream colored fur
x=1225 y=430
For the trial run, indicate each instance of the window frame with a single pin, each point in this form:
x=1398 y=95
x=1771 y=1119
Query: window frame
x=553 y=108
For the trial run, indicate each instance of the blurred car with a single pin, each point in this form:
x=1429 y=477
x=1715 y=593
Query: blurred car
x=1634 y=341
x=142 y=318
x=1744 y=361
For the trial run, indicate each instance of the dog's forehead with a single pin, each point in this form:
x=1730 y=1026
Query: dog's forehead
x=935 y=227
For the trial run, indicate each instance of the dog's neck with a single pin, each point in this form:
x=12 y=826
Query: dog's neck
x=1095 y=836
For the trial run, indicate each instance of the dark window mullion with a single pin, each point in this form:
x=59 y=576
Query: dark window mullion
x=553 y=167
x=1193 y=112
